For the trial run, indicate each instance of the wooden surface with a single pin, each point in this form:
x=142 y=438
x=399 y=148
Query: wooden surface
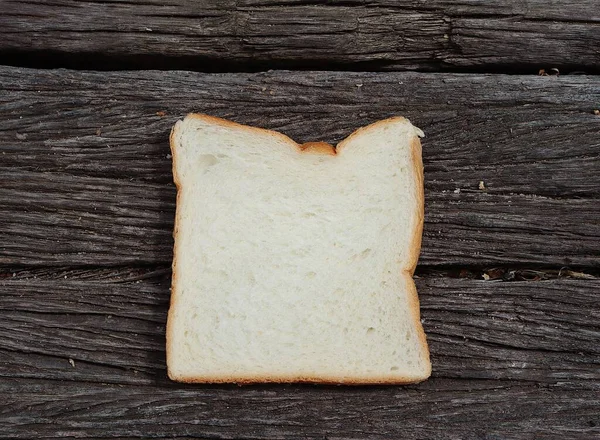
x=114 y=329
x=258 y=34
x=511 y=359
x=509 y=275
x=87 y=180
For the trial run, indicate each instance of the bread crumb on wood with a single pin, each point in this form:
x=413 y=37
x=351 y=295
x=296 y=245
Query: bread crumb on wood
x=98 y=132
x=72 y=362
x=161 y=113
x=597 y=112
x=482 y=185
x=573 y=274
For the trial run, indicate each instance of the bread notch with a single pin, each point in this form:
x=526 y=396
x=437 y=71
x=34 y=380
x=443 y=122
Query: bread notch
x=294 y=263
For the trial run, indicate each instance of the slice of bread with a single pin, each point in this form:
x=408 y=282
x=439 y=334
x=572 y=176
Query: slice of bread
x=293 y=263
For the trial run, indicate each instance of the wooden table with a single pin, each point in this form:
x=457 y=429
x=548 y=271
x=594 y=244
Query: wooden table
x=509 y=275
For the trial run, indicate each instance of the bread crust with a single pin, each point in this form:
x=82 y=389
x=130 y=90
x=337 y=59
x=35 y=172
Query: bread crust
x=408 y=271
x=315 y=380
x=173 y=299
x=318 y=148
x=417 y=160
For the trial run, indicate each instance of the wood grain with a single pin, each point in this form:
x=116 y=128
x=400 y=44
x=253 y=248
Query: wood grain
x=535 y=331
x=85 y=165
x=87 y=205
x=511 y=359
x=440 y=409
x=250 y=34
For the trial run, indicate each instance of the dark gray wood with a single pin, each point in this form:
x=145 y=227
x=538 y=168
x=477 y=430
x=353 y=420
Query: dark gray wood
x=511 y=359
x=535 y=331
x=85 y=182
x=377 y=34
x=85 y=174
x=439 y=409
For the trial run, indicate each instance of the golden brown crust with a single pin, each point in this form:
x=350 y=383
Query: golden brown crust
x=309 y=148
x=413 y=297
x=173 y=299
x=318 y=148
x=416 y=157
x=319 y=380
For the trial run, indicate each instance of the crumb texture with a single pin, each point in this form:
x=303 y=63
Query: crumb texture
x=291 y=265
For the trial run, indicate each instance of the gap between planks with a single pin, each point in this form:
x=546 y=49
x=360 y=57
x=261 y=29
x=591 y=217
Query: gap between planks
x=162 y=273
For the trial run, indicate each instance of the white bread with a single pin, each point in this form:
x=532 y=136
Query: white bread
x=294 y=263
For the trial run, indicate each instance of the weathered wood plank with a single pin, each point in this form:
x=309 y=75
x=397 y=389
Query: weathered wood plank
x=545 y=331
x=85 y=167
x=381 y=34
x=531 y=352
x=439 y=408
x=52 y=219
